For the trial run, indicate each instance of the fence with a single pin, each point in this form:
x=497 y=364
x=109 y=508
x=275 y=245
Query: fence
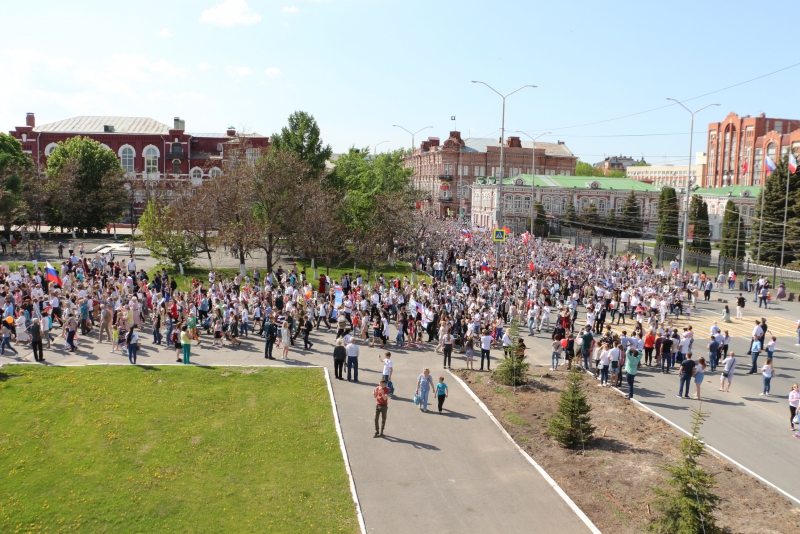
x=713 y=264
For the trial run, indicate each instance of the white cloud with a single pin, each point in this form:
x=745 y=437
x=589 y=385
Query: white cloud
x=238 y=71
x=273 y=72
x=290 y=9
x=230 y=13
x=165 y=32
x=204 y=66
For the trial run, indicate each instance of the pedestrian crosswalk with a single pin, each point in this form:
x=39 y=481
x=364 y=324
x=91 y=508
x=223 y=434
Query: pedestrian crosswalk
x=703 y=320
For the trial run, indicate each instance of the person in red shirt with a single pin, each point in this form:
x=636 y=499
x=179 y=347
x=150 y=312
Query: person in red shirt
x=381 y=395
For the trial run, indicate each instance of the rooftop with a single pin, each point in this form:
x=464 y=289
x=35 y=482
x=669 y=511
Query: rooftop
x=96 y=124
x=580 y=182
x=480 y=144
x=730 y=191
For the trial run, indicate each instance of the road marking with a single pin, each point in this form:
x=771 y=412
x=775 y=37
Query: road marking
x=548 y=478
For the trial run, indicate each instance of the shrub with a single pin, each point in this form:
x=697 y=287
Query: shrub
x=512 y=369
x=571 y=425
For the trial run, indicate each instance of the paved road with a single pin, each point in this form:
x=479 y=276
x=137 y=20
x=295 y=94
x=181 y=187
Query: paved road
x=750 y=429
x=446 y=473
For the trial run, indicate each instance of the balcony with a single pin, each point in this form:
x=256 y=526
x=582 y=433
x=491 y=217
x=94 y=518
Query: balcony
x=445 y=177
x=445 y=197
x=176 y=155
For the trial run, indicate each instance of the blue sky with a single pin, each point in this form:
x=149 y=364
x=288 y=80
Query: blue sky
x=361 y=66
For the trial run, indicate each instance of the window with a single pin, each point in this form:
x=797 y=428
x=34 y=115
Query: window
x=252 y=155
x=564 y=203
x=526 y=203
x=151 y=160
x=448 y=169
x=177 y=148
x=507 y=202
x=515 y=171
x=50 y=148
x=176 y=166
x=215 y=172
x=601 y=205
x=547 y=204
x=197 y=176
x=480 y=171
x=517 y=202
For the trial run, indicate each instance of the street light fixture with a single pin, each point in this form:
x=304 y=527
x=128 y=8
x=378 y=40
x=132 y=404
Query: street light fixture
x=413 y=146
x=688 y=181
x=533 y=173
x=375 y=148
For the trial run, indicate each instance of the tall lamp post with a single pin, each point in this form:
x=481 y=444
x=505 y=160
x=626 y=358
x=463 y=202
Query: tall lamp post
x=375 y=148
x=533 y=174
x=413 y=146
x=688 y=180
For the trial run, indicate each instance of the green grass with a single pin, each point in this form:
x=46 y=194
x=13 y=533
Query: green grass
x=514 y=419
x=184 y=280
x=400 y=269
x=135 y=449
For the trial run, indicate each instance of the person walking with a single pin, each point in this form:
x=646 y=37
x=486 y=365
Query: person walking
x=794 y=402
x=186 y=344
x=728 y=368
x=132 y=344
x=270 y=333
x=442 y=392
x=388 y=369
x=713 y=352
x=486 y=346
x=632 y=359
x=424 y=386
x=36 y=340
x=766 y=376
x=352 y=360
x=286 y=337
x=699 y=374
x=686 y=373
x=381 y=395
x=339 y=356
x=307 y=326
x=755 y=348
x=447 y=342
x=740 y=302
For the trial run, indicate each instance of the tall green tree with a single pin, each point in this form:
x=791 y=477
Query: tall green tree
x=540 y=226
x=668 y=219
x=590 y=216
x=95 y=177
x=731 y=232
x=165 y=239
x=611 y=225
x=586 y=169
x=302 y=136
x=16 y=168
x=630 y=219
x=570 y=214
x=774 y=192
x=688 y=506
x=698 y=216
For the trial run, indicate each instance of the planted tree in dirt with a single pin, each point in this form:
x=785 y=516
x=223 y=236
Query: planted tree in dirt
x=571 y=426
x=688 y=507
x=513 y=369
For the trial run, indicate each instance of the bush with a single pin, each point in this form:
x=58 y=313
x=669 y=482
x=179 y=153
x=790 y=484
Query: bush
x=689 y=505
x=571 y=426
x=512 y=369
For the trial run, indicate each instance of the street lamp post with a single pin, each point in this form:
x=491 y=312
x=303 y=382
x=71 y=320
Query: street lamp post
x=688 y=181
x=375 y=148
x=533 y=174
x=502 y=143
x=413 y=146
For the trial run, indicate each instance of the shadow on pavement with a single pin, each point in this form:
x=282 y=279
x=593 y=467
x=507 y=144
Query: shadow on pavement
x=415 y=444
x=770 y=400
x=451 y=413
x=722 y=402
x=660 y=405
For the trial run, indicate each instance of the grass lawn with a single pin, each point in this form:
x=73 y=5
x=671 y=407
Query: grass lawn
x=400 y=269
x=201 y=273
x=170 y=449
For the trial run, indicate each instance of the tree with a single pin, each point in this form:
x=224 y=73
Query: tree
x=190 y=211
x=586 y=169
x=163 y=237
x=641 y=163
x=698 y=217
x=302 y=136
x=630 y=219
x=16 y=167
x=732 y=239
x=590 y=216
x=571 y=426
x=95 y=177
x=616 y=174
x=770 y=237
x=570 y=214
x=540 y=226
x=512 y=370
x=668 y=219
x=611 y=223
x=687 y=508
x=322 y=233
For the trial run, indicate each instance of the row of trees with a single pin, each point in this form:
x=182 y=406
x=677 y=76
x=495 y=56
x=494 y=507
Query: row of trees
x=668 y=232
x=770 y=236
x=82 y=188
x=288 y=200
x=626 y=223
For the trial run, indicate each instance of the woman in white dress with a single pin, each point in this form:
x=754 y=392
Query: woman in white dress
x=22 y=332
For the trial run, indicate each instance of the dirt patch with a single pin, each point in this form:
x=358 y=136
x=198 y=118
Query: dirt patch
x=249 y=371
x=612 y=483
x=225 y=373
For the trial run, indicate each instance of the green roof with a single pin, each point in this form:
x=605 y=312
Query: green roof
x=730 y=191
x=579 y=182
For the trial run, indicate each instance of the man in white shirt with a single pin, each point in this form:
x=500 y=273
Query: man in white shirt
x=388 y=369
x=352 y=359
x=486 y=345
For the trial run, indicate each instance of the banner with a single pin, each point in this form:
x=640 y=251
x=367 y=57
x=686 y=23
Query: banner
x=338 y=295
x=690 y=234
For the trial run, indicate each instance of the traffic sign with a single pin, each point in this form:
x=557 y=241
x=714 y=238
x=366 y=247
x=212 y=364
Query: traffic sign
x=499 y=235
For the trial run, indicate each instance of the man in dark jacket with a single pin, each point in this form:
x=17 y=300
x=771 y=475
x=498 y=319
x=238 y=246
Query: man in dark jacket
x=271 y=333
x=36 y=340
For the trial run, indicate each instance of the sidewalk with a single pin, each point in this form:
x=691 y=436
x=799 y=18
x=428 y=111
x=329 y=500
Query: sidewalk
x=449 y=473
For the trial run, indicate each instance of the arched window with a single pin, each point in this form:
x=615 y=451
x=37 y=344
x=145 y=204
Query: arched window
x=507 y=201
x=601 y=205
x=546 y=204
x=526 y=203
x=50 y=148
x=517 y=202
x=215 y=172
x=176 y=166
x=151 y=160
x=126 y=156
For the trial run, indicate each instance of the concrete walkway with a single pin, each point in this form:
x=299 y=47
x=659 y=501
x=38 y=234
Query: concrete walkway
x=453 y=472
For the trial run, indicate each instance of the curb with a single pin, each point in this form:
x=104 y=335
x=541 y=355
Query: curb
x=553 y=484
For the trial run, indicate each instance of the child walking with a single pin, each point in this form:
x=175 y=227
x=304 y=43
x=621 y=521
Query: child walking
x=442 y=392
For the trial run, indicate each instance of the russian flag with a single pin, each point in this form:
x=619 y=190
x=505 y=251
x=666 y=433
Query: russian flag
x=792 y=163
x=466 y=233
x=51 y=275
x=769 y=164
x=484 y=266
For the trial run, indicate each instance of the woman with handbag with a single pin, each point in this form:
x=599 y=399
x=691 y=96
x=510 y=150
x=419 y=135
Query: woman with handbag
x=794 y=401
x=424 y=386
x=728 y=368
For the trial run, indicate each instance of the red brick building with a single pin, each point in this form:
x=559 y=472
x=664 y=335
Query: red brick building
x=154 y=156
x=737 y=140
x=446 y=171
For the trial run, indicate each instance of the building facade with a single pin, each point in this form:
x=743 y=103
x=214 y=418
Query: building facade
x=447 y=171
x=737 y=147
x=617 y=163
x=155 y=157
x=745 y=198
x=670 y=175
x=555 y=192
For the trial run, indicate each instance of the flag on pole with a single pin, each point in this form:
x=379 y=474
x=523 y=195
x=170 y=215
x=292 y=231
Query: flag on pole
x=466 y=233
x=769 y=164
x=744 y=167
x=51 y=275
x=792 y=163
x=484 y=266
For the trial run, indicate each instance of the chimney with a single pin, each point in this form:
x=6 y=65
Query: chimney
x=30 y=120
x=179 y=124
x=231 y=131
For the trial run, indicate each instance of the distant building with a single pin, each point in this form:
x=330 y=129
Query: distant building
x=616 y=163
x=739 y=140
x=555 y=192
x=745 y=198
x=670 y=175
x=446 y=171
x=154 y=156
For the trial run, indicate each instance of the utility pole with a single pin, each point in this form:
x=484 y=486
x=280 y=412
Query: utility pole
x=533 y=174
